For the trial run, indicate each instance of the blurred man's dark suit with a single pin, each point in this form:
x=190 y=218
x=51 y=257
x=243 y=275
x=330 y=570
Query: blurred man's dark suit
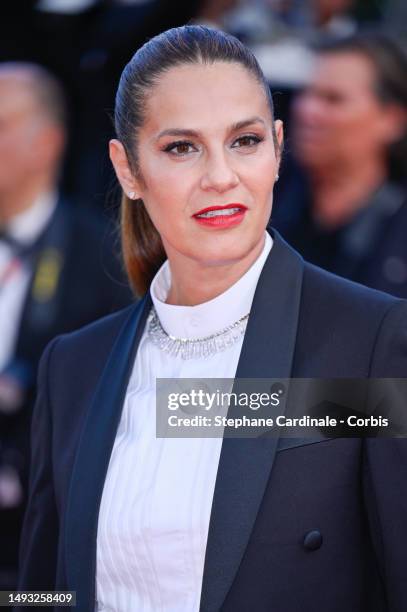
x=371 y=248
x=76 y=278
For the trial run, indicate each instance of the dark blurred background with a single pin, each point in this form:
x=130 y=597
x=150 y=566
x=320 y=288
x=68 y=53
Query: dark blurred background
x=338 y=72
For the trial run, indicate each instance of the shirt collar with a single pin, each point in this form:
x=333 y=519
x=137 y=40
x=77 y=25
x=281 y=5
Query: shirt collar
x=25 y=227
x=210 y=317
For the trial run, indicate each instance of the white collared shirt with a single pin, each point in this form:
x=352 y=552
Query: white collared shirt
x=25 y=228
x=156 y=503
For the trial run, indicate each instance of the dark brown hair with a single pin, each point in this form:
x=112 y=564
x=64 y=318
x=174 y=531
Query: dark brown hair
x=142 y=247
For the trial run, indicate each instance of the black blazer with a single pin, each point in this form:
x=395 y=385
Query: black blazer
x=270 y=494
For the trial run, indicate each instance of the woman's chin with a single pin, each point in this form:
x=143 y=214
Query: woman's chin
x=226 y=253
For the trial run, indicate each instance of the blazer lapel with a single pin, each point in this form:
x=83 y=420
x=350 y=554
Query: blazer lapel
x=93 y=457
x=245 y=463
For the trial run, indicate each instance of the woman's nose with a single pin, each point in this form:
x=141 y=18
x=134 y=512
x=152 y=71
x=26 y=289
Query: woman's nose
x=219 y=175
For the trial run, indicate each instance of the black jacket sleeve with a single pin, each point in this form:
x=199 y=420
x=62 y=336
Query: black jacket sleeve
x=385 y=468
x=39 y=539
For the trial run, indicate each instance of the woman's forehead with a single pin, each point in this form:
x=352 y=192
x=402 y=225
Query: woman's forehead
x=202 y=94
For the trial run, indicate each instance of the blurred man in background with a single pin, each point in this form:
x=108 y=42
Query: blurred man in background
x=349 y=134
x=57 y=270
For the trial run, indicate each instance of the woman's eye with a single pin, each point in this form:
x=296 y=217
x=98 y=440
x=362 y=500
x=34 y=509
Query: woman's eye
x=247 y=141
x=181 y=147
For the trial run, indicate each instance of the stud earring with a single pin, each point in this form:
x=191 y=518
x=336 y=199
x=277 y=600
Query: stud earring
x=132 y=195
x=276 y=179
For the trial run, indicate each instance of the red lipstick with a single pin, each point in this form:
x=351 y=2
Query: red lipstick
x=211 y=218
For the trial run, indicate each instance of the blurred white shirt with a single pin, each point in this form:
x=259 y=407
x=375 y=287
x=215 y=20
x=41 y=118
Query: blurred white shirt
x=15 y=275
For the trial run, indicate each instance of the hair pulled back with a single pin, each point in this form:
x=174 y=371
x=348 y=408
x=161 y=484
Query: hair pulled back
x=142 y=247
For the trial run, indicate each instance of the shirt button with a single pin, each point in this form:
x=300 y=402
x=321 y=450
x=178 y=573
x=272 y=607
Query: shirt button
x=277 y=388
x=313 y=540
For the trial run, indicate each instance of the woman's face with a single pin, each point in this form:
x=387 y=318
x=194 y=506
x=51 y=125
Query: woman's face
x=207 y=143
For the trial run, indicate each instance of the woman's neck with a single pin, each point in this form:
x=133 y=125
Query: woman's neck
x=338 y=193
x=193 y=283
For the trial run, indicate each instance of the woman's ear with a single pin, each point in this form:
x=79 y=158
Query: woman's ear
x=279 y=129
x=121 y=166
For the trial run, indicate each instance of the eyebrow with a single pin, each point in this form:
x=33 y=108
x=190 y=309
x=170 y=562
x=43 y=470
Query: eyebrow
x=195 y=133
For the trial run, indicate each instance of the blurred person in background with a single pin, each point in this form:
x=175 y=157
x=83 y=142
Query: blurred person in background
x=349 y=134
x=57 y=270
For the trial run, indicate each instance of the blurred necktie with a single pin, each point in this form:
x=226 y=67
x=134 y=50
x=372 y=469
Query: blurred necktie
x=20 y=250
x=15 y=246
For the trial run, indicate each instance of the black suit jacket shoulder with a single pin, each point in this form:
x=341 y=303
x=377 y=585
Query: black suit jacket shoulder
x=271 y=497
x=348 y=330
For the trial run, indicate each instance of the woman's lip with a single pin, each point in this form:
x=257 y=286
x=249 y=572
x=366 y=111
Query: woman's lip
x=233 y=205
x=222 y=221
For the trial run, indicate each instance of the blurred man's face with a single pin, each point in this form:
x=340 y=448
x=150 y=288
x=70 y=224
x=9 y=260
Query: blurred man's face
x=20 y=127
x=338 y=119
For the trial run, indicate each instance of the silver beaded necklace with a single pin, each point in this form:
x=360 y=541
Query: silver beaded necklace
x=187 y=348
